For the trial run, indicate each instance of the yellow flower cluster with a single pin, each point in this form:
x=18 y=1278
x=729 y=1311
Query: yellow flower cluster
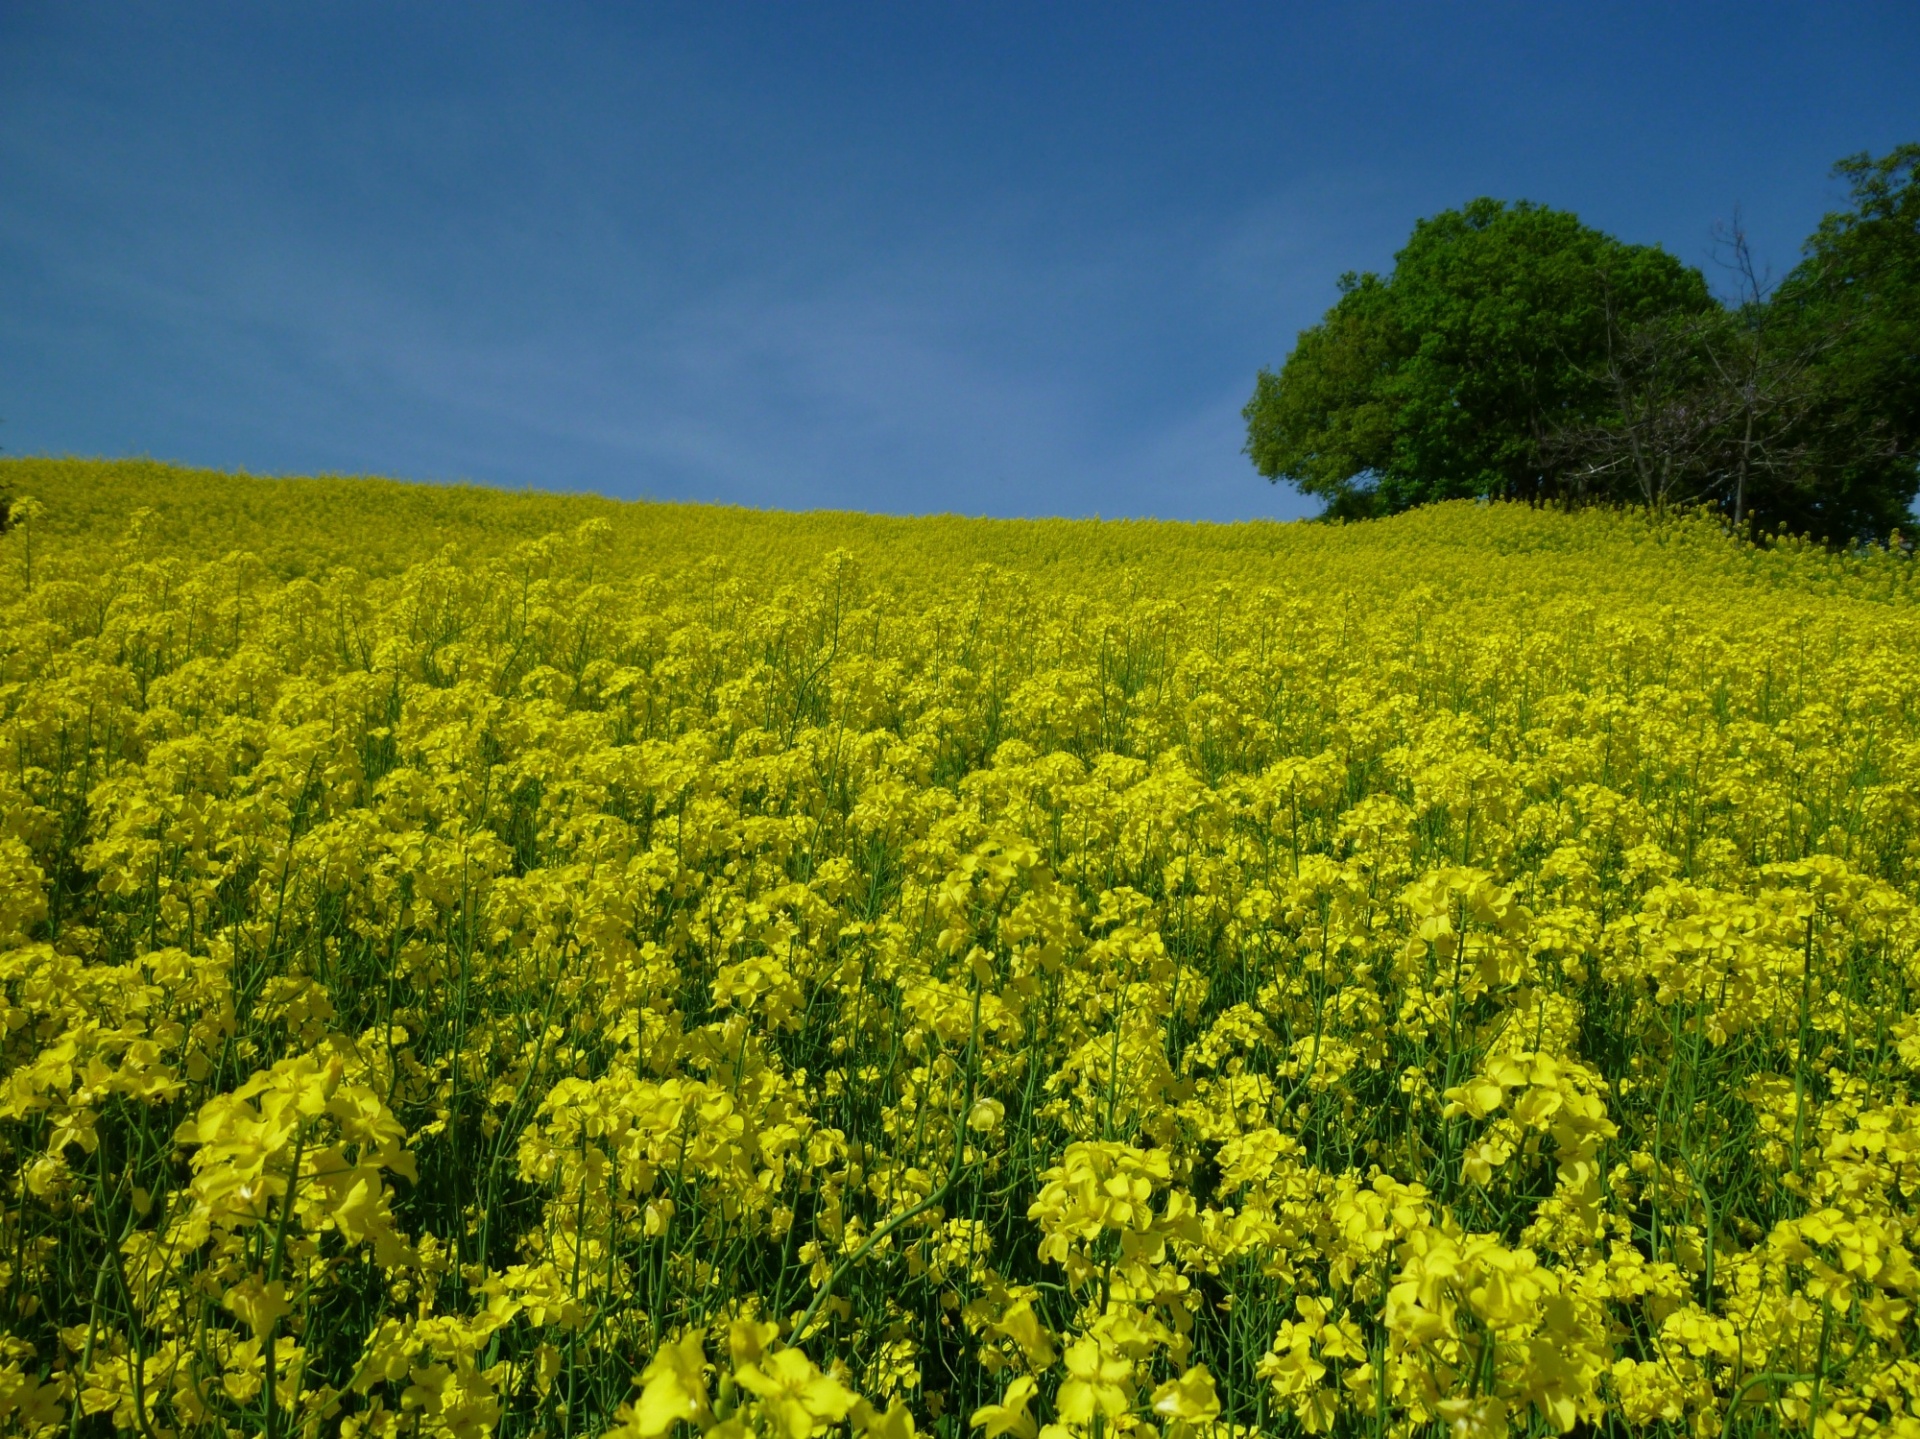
x=508 y=965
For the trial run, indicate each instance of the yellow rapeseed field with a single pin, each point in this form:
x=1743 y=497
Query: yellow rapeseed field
x=476 y=963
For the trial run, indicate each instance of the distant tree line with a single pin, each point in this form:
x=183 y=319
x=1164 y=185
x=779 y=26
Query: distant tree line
x=1514 y=352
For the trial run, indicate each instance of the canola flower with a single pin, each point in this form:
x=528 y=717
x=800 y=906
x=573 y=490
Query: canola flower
x=481 y=964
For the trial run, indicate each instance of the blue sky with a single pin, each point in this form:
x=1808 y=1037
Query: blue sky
x=1010 y=260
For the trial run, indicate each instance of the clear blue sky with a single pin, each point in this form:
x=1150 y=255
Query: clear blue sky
x=1019 y=259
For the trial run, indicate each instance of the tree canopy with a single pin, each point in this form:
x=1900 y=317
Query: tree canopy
x=1853 y=303
x=1436 y=381
x=1514 y=352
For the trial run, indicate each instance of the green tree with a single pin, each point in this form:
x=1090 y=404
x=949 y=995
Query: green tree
x=1853 y=303
x=1442 y=379
x=1795 y=407
x=1707 y=407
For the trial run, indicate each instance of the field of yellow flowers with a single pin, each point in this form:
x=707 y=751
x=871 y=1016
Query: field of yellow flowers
x=482 y=963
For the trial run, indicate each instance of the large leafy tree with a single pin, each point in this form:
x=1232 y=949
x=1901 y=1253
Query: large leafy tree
x=1798 y=408
x=1853 y=305
x=1441 y=379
